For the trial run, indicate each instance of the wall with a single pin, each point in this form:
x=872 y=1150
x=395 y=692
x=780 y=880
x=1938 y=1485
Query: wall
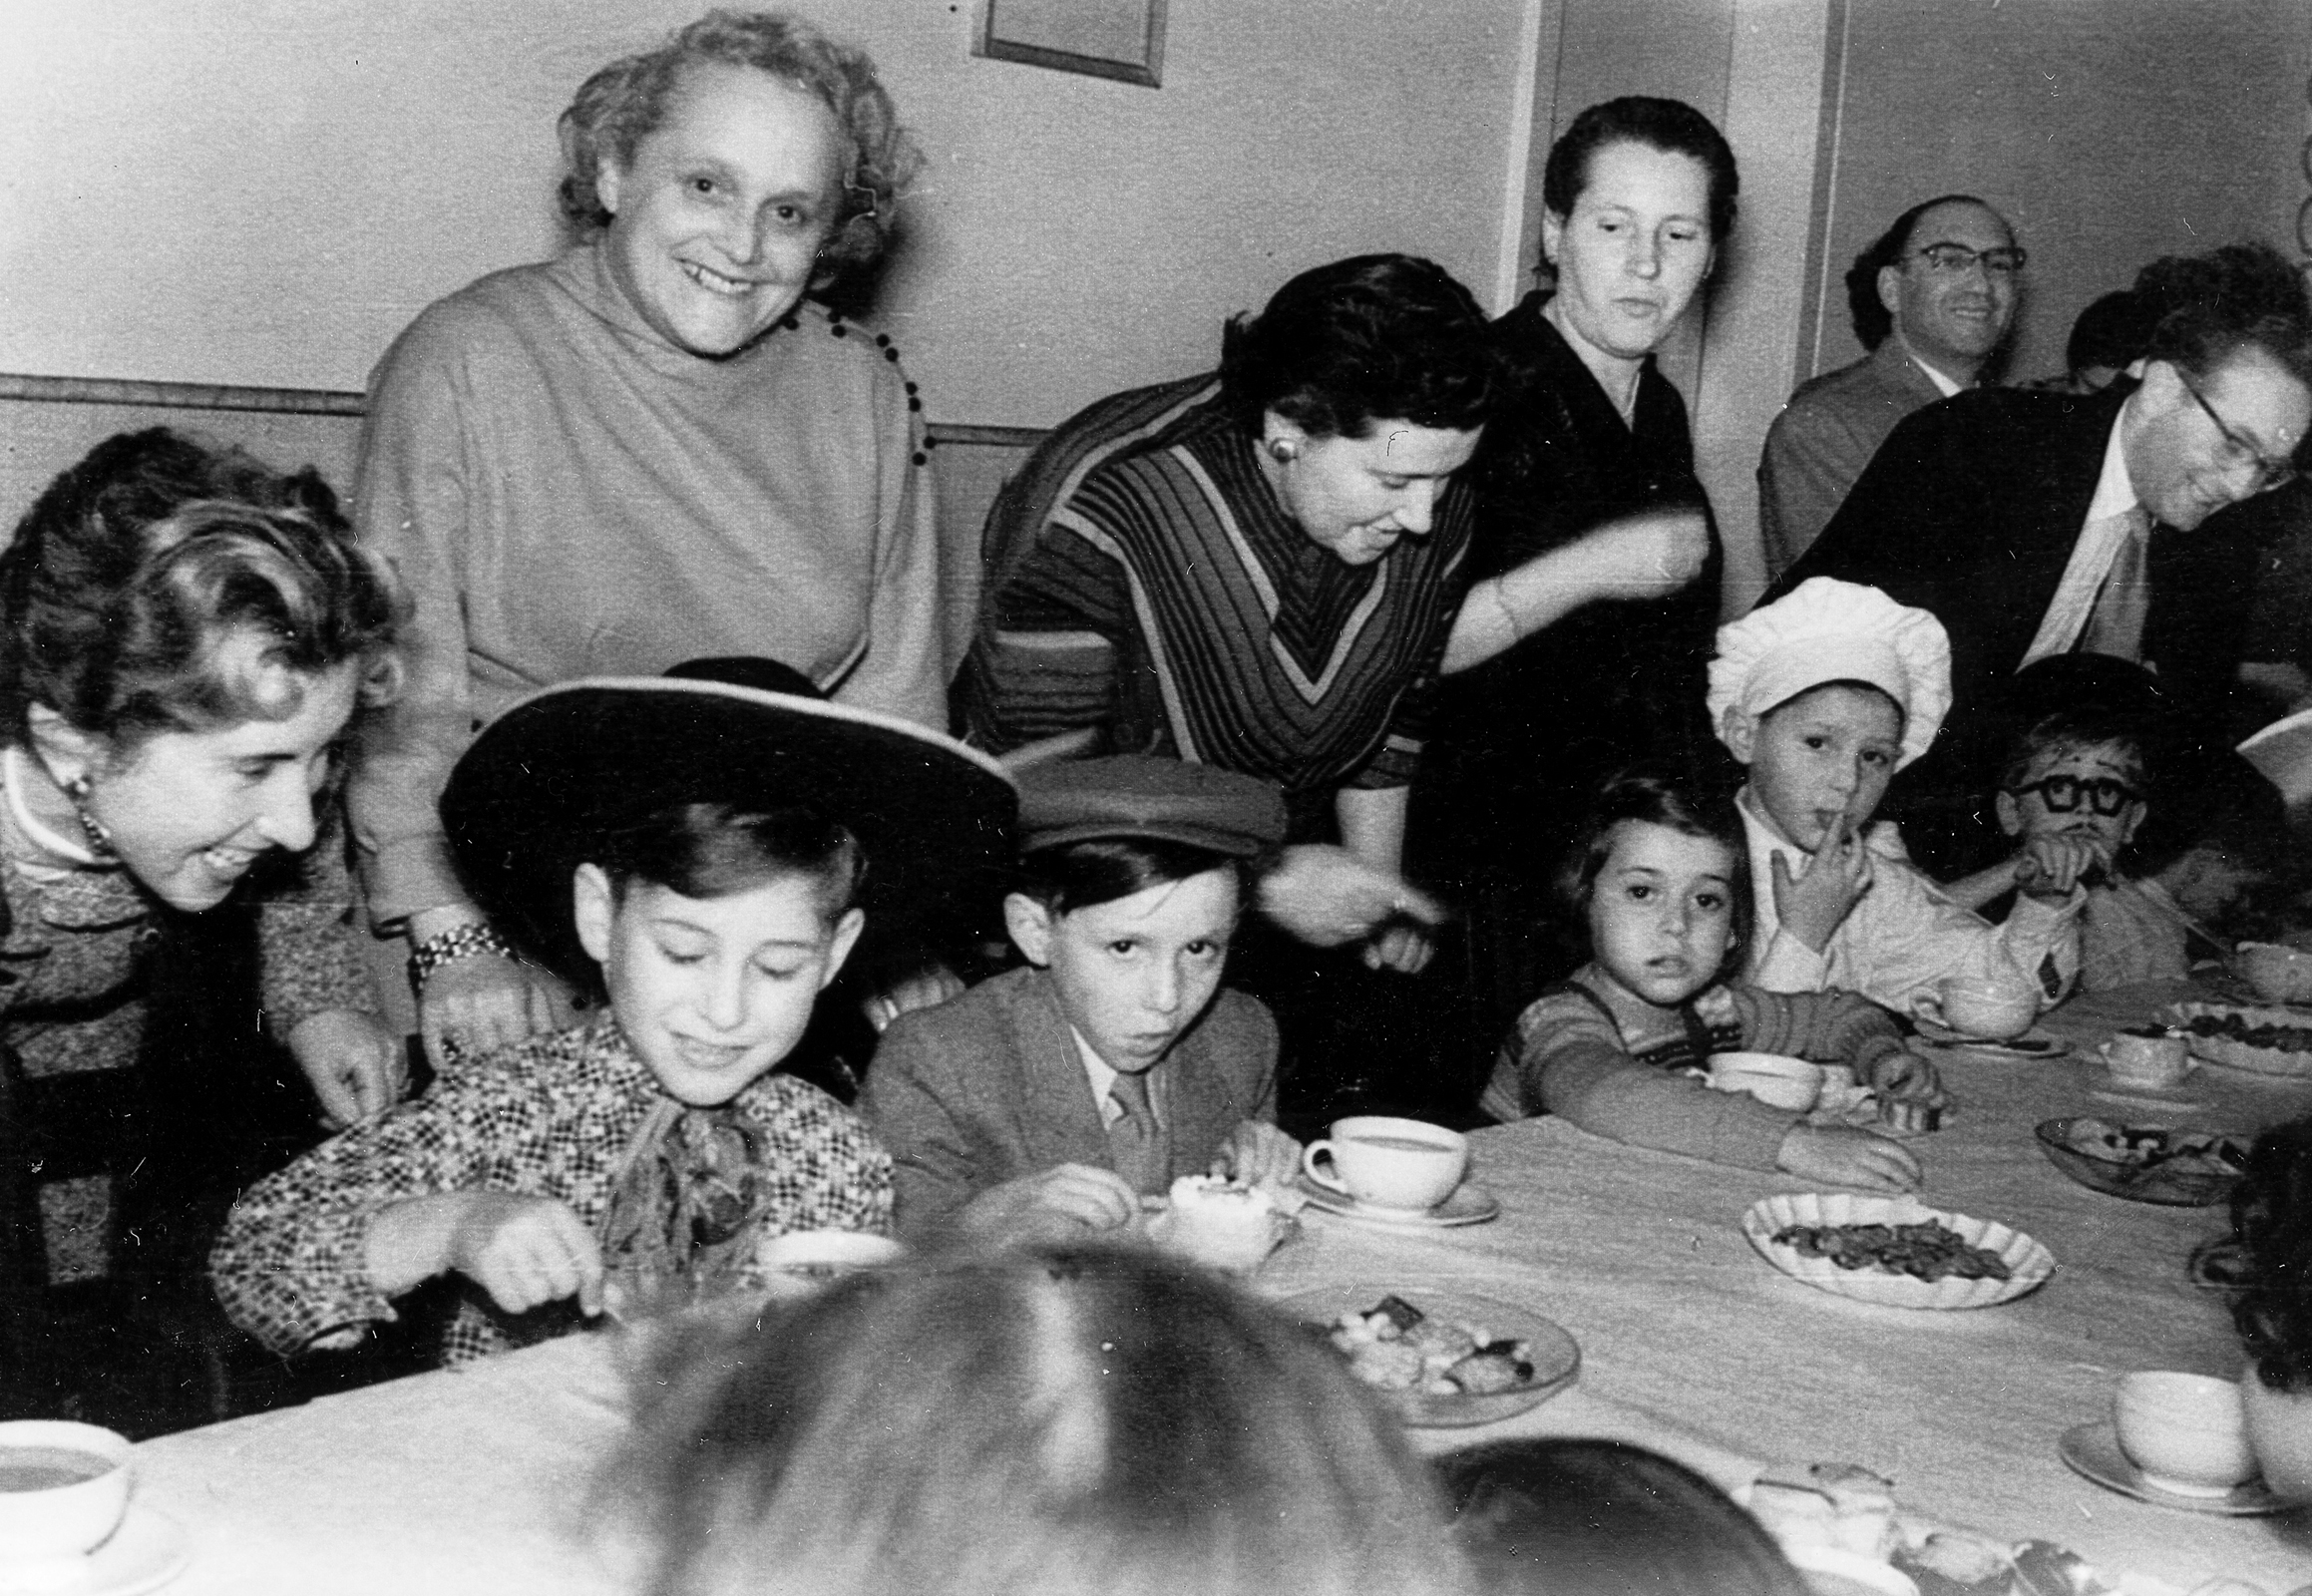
x=264 y=191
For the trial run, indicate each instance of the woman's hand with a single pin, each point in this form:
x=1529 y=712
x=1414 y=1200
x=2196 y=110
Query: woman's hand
x=1841 y=1156
x=355 y=1064
x=479 y=1000
x=1257 y=1153
x=1651 y=554
x=1056 y=1204
x=926 y=988
x=1812 y=905
x=1327 y=896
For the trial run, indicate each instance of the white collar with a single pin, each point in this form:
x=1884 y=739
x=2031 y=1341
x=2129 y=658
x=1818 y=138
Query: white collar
x=1944 y=385
x=63 y=851
x=2115 y=493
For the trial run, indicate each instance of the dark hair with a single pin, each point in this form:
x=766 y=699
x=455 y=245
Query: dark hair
x=2218 y=801
x=2090 y=726
x=2111 y=331
x=2207 y=309
x=713 y=850
x=626 y=101
x=2267 y=1258
x=1049 y=1420
x=135 y=564
x=1371 y=338
x=1872 y=320
x=1100 y=870
x=1655 y=800
x=1670 y=126
x=1604 y=1518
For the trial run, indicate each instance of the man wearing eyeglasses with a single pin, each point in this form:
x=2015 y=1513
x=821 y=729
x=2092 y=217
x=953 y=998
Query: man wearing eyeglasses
x=2024 y=520
x=1933 y=299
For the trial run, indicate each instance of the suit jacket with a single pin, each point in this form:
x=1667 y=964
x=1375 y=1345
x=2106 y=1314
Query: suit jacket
x=1971 y=510
x=989 y=1086
x=1824 y=439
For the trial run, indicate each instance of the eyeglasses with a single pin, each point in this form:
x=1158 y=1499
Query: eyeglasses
x=2107 y=795
x=2239 y=450
x=1952 y=260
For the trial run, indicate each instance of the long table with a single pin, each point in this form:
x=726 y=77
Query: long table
x=477 y=1481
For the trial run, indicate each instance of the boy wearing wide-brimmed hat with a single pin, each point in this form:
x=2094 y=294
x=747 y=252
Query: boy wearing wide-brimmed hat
x=1047 y=1100
x=698 y=850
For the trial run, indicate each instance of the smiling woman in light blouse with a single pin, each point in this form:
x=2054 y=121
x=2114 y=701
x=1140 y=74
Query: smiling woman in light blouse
x=651 y=449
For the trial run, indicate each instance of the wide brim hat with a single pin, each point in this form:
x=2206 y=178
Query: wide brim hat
x=546 y=781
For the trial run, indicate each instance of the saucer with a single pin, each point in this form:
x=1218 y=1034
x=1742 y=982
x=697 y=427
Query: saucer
x=2093 y=1451
x=2037 y=1043
x=148 y=1550
x=2150 y=1097
x=1471 y=1204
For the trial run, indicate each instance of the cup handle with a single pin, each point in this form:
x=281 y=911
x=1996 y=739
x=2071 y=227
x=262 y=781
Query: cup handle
x=1309 y=1167
x=1929 y=1006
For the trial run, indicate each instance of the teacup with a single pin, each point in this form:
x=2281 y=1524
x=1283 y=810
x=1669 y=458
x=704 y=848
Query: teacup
x=1993 y=1011
x=2147 y=1060
x=1388 y=1163
x=1773 y=1079
x=2279 y=974
x=2187 y=1433
x=62 y=1489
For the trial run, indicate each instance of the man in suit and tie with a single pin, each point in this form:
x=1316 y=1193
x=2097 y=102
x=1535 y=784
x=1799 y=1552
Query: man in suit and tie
x=1047 y=1102
x=2024 y=520
x=1932 y=299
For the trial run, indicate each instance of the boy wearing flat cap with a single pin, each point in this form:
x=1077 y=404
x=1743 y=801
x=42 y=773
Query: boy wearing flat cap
x=697 y=848
x=1047 y=1102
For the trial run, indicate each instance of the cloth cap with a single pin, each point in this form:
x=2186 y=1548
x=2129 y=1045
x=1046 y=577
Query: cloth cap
x=1141 y=795
x=1827 y=630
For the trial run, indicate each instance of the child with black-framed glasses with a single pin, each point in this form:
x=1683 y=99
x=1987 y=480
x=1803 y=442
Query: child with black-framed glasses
x=2165 y=890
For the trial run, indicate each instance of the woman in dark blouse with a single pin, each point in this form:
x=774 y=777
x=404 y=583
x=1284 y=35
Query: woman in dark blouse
x=1582 y=645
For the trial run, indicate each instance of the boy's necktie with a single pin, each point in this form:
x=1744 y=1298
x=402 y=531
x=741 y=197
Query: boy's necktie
x=1135 y=1140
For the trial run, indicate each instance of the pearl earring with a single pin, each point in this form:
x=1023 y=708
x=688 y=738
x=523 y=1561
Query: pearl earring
x=100 y=839
x=1283 y=453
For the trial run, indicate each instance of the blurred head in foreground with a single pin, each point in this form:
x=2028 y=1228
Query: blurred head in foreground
x=1057 y=1419
x=1601 y=1519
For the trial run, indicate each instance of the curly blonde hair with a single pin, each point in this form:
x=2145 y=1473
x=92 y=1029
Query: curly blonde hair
x=626 y=101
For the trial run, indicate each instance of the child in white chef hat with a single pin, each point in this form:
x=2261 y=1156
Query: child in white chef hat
x=1824 y=695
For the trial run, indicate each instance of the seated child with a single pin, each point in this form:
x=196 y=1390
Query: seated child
x=1045 y=1102
x=2171 y=874
x=1665 y=887
x=697 y=849
x=1557 y=1516
x=1824 y=695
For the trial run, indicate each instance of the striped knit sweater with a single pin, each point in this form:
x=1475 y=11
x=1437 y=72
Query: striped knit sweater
x=1166 y=598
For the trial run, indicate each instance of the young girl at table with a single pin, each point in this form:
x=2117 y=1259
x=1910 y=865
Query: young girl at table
x=1045 y=1102
x=695 y=849
x=1661 y=881
x=1824 y=696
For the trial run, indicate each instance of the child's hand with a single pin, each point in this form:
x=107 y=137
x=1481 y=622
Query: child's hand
x=355 y=1066
x=526 y=1251
x=1907 y=1077
x=1841 y=1155
x=1258 y=1155
x=1815 y=903
x=2049 y=867
x=1056 y=1204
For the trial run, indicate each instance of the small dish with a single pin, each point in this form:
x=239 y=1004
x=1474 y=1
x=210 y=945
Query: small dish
x=2093 y=1451
x=2037 y=1043
x=1556 y=1357
x=146 y=1552
x=2140 y=1164
x=1471 y=1204
x=2029 y=1264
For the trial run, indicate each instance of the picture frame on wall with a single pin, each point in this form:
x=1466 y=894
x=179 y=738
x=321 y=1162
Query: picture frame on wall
x=1119 y=38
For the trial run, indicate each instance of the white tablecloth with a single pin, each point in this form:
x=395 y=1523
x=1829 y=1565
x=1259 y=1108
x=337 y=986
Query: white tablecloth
x=1690 y=1344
